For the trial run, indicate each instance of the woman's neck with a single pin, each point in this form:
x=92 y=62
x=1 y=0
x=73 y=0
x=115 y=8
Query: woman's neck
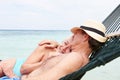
x=82 y=49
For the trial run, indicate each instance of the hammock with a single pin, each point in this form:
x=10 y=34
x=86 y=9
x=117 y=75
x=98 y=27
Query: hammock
x=109 y=51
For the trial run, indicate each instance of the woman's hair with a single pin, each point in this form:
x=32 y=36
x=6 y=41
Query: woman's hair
x=94 y=44
x=0 y=60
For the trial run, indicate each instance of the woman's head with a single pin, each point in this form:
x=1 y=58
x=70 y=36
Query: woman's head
x=96 y=32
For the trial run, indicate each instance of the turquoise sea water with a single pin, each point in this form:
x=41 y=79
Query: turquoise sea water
x=20 y=43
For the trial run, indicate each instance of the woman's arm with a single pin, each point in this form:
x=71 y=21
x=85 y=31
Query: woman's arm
x=7 y=67
x=28 y=67
x=38 y=55
x=33 y=61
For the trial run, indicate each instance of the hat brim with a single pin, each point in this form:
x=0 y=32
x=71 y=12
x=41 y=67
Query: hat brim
x=90 y=33
x=74 y=29
x=96 y=36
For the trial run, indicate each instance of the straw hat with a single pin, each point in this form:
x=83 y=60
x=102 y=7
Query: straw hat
x=94 y=29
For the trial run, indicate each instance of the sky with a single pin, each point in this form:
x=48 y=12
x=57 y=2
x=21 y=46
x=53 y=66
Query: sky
x=52 y=14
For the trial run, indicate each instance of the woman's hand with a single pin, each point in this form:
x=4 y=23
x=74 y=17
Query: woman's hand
x=65 y=47
x=50 y=44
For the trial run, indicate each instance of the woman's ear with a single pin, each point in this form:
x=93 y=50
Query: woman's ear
x=86 y=37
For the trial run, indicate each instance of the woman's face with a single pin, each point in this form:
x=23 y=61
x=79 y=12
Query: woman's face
x=77 y=37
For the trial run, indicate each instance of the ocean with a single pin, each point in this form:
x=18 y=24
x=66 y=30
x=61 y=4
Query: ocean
x=21 y=43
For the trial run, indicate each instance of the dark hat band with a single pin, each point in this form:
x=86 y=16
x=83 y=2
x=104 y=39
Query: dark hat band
x=93 y=30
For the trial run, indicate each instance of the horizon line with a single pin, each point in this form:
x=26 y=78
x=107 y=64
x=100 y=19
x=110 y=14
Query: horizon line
x=31 y=29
